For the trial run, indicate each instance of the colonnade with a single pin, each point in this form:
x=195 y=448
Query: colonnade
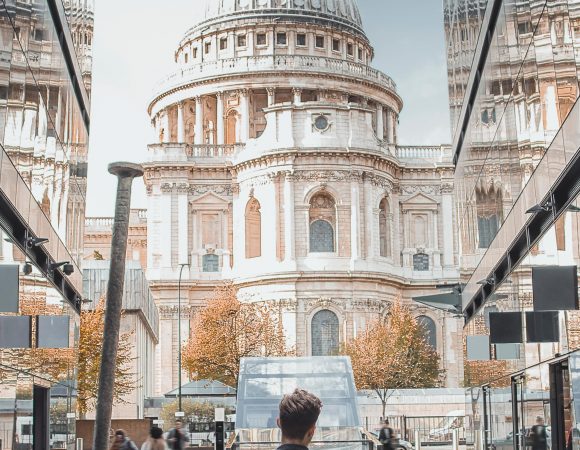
x=162 y=119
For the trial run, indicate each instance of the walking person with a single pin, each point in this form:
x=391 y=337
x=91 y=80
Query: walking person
x=176 y=438
x=299 y=413
x=155 y=440
x=539 y=435
x=122 y=442
x=386 y=436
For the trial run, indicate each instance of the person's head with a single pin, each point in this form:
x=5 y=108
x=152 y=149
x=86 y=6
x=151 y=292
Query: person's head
x=178 y=424
x=540 y=420
x=299 y=412
x=156 y=433
x=120 y=435
x=386 y=423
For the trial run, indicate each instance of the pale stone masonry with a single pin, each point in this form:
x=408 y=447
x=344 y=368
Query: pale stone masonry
x=277 y=167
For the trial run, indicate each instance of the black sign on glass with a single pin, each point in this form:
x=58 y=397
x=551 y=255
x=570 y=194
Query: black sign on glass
x=15 y=331
x=555 y=288
x=543 y=326
x=9 y=286
x=505 y=327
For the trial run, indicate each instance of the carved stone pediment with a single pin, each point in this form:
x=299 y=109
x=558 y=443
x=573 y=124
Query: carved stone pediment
x=419 y=201
x=209 y=198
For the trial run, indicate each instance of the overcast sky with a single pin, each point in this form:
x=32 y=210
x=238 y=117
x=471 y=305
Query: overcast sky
x=133 y=48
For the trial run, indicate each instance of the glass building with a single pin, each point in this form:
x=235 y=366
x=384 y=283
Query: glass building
x=45 y=73
x=513 y=83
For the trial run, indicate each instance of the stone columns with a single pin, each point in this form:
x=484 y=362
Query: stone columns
x=183 y=227
x=355 y=219
x=390 y=127
x=220 y=119
x=245 y=109
x=289 y=222
x=165 y=126
x=368 y=190
x=58 y=109
x=271 y=96
x=436 y=253
x=297 y=95
x=380 y=124
x=447 y=213
x=198 y=139
x=165 y=227
x=180 y=124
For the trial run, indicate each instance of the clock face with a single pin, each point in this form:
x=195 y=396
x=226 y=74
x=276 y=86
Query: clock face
x=321 y=123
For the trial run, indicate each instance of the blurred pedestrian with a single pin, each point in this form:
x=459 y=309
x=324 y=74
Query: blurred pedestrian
x=539 y=435
x=155 y=440
x=176 y=438
x=122 y=442
x=299 y=413
x=386 y=436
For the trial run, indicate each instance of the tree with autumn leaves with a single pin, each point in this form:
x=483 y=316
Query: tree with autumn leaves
x=228 y=330
x=89 y=362
x=393 y=353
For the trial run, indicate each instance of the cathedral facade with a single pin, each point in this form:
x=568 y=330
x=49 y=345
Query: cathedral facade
x=277 y=167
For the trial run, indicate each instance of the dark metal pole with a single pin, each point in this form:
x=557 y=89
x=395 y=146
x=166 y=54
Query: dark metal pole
x=125 y=173
x=179 y=334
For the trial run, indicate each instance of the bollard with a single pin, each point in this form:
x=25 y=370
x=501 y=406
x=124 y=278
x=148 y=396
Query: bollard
x=417 y=440
x=455 y=445
x=125 y=173
x=79 y=444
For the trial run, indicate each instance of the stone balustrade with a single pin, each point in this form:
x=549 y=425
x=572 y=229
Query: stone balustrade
x=301 y=63
x=99 y=223
x=424 y=153
x=187 y=152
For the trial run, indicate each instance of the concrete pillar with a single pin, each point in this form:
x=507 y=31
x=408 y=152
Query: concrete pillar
x=245 y=108
x=180 y=124
x=220 y=119
x=183 y=228
x=198 y=139
x=271 y=96
x=380 y=124
x=297 y=95
x=390 y=127
x=289 y=222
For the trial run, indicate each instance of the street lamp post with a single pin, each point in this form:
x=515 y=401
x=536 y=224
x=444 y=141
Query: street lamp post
x=179 y=333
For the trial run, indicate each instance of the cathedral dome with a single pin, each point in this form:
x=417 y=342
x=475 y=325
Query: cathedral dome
x=338 y=12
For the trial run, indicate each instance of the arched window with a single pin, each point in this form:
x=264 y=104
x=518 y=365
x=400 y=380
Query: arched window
x=253 y=229
x=430 y=329
x=489 y=209
x=421 y=262
x=210 y=263
x=384 y=228
x=325 y=333
x=232 y=128
x=322 y=223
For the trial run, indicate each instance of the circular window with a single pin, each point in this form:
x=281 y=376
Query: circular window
x=321 y=123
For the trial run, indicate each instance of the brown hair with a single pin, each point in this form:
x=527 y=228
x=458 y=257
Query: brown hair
x=299 y=412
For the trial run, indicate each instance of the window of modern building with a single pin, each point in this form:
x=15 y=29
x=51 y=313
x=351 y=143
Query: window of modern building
x=336 y=45
x=253 y=229
x=242 y=40
x=319 y=41
x=210 y=263
x=261 y=39
x=421 y=262
x=281 y=39
x=301 y=40
x=322 y=223
x=325 y=333
x=430 y=330
x=223 y=43
x=384 y=231
x=207 y=47
x=349 y=49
